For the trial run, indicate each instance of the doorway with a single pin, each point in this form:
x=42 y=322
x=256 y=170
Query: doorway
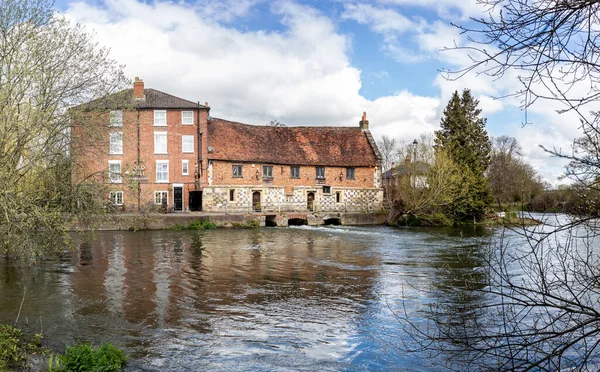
x=177 y=198
x=256 y=201
x=196 y=201
x=310 y=201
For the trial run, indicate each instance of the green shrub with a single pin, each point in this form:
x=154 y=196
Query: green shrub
x=82 y=357
x=178 y=227
x=201 y=225
x=252 y=224
x=15 y=347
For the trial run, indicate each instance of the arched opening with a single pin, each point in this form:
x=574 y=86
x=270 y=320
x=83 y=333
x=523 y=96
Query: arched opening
x=310 y=201
x=296 y=222
x=270 y=221
x=333 y=221
x=256 y=201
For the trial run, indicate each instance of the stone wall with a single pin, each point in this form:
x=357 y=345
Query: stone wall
x=275 y=199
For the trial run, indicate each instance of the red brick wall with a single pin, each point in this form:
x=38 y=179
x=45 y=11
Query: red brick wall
x=222 y=174
x=93 y=155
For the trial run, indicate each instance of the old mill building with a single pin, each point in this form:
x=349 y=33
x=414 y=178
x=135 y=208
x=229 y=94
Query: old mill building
x=160 y=149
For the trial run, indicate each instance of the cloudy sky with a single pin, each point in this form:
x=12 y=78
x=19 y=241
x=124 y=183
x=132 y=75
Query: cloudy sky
x=317 y=62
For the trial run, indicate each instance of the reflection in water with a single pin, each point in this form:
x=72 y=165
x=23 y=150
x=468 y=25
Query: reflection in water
x=263 y=299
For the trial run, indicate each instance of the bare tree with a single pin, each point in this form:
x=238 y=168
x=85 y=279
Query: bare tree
x=276 y=123
x=553 y=45
x=47 y=66
x=541 y=303
x=387 y=146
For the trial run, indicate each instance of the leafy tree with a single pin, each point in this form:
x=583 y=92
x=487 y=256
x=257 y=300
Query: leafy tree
x=47 y=66
x=464 y=138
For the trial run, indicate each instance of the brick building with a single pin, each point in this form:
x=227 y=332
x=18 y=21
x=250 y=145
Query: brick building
x=160 y=149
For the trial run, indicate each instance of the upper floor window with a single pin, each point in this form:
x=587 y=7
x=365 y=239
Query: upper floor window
x=116 y=197
x=187 y=117
x=237 y=171
x=320 y=172
x=160 y=117
x=160 y=142
x=162 y=171
x=350 y=173
x=187 y=143
x=116 y=143
x=185 y=168
x=294 y=172
x=267 y=171
x=116 y=118
x=114 y=171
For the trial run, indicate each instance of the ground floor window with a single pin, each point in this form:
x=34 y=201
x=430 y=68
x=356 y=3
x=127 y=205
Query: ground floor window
x=159 y=196
x=338 y=196
x=232 y=195
x=116 y=197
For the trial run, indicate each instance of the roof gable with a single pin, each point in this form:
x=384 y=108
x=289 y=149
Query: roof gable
x=327 y=146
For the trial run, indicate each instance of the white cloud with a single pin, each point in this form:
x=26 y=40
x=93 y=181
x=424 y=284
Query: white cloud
x=301 y=75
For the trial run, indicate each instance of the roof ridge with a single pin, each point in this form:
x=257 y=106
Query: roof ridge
x=290 y=126
x=174 y=96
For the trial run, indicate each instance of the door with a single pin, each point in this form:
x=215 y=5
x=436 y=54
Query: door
x=195 y=200
x=310 y=201
x=256 y=201
x=178 y=198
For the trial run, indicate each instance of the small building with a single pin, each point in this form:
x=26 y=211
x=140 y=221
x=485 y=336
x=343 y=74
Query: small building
x=410 y=174
x=157 y=148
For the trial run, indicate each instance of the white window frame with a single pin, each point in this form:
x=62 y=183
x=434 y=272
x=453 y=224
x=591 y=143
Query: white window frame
x=116 y=148
x=161 y=194
x=158 y=122
x=183 y=144
x=162 y=162
x=156 y=149
x=187 y=121
x=114 y=197
x=116 y=118
x=119 y=177
x=185 y=167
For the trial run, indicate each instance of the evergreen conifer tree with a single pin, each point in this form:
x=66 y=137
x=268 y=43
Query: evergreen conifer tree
x=464 y=138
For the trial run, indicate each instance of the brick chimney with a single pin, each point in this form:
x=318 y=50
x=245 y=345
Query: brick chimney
x=364 y=123
x=138 y=88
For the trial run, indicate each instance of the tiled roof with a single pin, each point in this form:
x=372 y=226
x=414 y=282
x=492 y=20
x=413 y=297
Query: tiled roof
x=153 y=99
x=327 y=146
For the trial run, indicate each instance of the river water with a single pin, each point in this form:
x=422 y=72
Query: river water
x=306 y=298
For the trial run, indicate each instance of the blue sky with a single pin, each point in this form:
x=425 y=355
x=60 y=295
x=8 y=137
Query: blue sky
x=317 y=63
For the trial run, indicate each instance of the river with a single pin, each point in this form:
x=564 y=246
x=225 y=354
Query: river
x=306 y=298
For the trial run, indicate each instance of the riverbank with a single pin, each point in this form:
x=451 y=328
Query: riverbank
x=157 y=221
x=23 y=352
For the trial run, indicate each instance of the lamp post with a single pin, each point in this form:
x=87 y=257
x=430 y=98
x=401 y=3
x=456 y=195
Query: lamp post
x=414 y=180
